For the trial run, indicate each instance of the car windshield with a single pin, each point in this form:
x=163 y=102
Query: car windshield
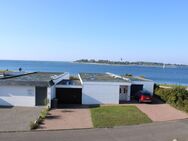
x=146 y=94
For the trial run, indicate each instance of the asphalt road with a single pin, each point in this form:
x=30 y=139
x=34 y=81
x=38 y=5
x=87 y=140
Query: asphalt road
x=163 y=131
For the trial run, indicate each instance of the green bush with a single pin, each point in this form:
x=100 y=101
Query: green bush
x=177 y=96
x=40 y=120
x=34 y=125
x=185 y=102
x=163 y=93
x=44 y=113
x=42 y=116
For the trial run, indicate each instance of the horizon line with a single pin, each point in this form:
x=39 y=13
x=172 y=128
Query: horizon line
x=87 y=59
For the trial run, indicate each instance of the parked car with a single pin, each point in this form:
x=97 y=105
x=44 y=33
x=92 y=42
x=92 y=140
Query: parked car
x=144 y=96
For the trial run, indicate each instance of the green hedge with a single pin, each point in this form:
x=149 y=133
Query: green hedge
x=177 y=97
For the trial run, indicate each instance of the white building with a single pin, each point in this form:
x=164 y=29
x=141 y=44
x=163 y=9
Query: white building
x=39 y=88
x=101 y=88
x=98 y=88
x=30 y=89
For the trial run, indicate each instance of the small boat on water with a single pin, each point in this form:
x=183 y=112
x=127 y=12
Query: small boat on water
x=164 y=66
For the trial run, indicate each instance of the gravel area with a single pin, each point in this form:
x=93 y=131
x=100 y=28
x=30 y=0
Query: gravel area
x=17 y=118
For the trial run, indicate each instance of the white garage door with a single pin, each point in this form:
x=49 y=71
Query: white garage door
x=100 y=94
x=17 y=96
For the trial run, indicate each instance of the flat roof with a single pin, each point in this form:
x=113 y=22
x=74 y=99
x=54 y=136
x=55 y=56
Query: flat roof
x=136 y=78
x=100 y=77
x=35 y=78
x=70 y=82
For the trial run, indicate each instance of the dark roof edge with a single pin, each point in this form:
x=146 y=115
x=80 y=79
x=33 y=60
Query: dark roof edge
x=18 y=75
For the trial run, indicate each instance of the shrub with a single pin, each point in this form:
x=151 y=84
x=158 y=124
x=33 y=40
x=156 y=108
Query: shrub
x=163 y=93
x=48 y=108
x=42 y=116
x=185 y=102
x=34 y=125
x=44 y=113
x=177 y=96
x=40 y=120
x=172 y=98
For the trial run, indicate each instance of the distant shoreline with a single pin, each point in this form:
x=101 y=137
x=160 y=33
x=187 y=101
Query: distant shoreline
x=129 y=63
x=112 y=63
x=133 y=65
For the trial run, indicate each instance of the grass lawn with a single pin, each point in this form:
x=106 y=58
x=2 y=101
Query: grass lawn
x=110 y=116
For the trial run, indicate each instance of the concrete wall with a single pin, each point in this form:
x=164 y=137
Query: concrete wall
x=17 y=96
x=100 y=93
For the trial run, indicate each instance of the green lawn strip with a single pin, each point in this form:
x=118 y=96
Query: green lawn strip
x=110 y=116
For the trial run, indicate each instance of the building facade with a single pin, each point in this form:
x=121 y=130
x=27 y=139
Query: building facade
x=41 y=88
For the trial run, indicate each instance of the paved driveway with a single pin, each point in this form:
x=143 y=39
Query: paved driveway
x=17 y=118
x=161 y=112
x=67 y=118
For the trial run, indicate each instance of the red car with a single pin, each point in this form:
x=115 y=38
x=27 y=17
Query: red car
x=144 y=96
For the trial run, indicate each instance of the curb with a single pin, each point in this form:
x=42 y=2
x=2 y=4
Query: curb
x=78 y=129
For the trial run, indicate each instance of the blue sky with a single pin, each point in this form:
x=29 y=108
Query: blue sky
x=66 y=30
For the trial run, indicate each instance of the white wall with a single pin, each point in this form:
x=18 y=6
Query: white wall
x=52 y=90
x=147 y=85
x=17 y=96
x=59 y=78
x=100 y=93
x=51 y=94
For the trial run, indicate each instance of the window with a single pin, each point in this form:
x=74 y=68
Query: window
x=124 y=90
x=120 y=90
